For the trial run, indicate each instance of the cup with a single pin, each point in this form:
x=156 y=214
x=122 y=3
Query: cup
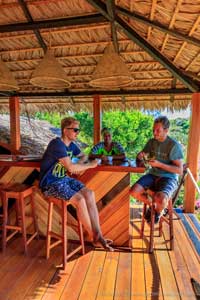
x=98 y=161
x=110 y=159
x=75 y=160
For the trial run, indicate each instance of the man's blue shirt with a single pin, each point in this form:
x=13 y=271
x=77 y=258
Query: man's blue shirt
x=51 y=169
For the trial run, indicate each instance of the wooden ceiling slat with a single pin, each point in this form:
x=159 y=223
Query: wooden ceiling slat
x=171 y=23
x=77 y=45
x=56 y=31
x=153 y=8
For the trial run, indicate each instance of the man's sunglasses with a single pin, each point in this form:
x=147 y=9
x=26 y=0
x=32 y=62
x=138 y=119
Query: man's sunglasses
x=75 y=129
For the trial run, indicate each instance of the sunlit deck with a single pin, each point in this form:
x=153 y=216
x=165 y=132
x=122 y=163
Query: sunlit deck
x=123 y=274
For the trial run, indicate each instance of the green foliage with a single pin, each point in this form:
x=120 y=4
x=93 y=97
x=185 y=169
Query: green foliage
x=86 y=125
x=52 y=118
x=179 y=129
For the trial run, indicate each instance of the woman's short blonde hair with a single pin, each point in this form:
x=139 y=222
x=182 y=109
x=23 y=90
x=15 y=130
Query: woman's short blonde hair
x=105 y=130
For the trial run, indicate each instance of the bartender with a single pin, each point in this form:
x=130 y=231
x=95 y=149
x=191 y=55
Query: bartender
x=107 y=148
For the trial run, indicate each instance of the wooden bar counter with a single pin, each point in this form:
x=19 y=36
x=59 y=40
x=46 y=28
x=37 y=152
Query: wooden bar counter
x=110 y=183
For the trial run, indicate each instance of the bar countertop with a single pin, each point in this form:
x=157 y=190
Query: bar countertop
x=34 y=162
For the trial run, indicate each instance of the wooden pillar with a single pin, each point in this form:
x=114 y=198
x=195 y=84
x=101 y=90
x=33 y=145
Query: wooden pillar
x=97 y=118
x=15 y=139
x=193 y=153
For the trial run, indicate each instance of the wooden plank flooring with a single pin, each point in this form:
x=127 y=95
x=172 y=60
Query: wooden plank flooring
x=100 y=275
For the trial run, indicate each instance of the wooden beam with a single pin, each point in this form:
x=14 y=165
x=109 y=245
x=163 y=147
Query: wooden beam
x=15 y=139
x=140 y=41
x=81 y=20
x=97 y=118
x=193 y=154
x=111 y=11
x=181 y=91
x=30 y=19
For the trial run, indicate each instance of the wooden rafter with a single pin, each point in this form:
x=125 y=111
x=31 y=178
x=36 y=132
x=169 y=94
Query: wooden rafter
x=171 y=23
x=159 y=26
x=190 y=34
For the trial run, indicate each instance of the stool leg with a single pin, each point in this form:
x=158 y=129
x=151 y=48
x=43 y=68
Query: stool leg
x=64 y=233
x=49 y=225
x=80 y=231
x=5 y=220
x=23 y=225
x=143 y=220
x=171 y=229
x=152 y=229
x=33 y=214
x=17 y=209
x=160 y=226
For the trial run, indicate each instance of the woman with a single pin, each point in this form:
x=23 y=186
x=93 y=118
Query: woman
x=108 y=147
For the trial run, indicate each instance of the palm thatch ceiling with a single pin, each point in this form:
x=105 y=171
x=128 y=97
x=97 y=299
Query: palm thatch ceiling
x=158 y=40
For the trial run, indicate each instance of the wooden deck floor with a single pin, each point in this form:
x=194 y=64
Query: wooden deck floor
x=99 y=275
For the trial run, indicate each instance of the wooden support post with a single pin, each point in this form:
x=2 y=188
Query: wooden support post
x=97 y=118
x=193 y=153
x=15 y=139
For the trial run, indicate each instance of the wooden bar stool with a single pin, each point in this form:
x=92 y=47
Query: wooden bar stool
x=19 y=192
x=61 y=238
x=168 y=218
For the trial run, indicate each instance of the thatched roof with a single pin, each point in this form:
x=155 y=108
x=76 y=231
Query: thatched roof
x=158 y=40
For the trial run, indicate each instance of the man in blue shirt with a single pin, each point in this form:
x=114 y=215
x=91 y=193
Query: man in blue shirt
x=54 y=179
x=165 y=161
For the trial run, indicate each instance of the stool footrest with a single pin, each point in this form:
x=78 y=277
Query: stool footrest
x=55 y=235
x=165 y=219
x=31 y=237
x=55 y=244
x=11 y=235
x=74 y=251
x=14 y=227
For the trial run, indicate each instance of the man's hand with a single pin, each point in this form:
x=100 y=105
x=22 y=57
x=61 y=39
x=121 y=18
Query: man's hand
x=93 y=163
x=154 y=163
x=141 y=155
